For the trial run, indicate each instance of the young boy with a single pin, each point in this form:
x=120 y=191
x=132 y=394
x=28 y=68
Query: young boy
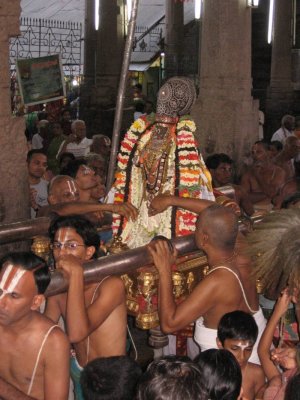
x=237 y=333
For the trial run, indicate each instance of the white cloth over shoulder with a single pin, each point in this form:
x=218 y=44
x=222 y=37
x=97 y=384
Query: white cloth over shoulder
x=206 y=337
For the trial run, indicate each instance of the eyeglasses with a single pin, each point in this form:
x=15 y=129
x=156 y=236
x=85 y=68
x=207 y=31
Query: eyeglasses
x=67 y=245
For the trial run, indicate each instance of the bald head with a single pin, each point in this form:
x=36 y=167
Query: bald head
x=62 y=189
x=220 y=225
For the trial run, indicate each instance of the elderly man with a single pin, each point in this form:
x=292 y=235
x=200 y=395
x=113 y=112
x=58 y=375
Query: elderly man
x=285 y=159
x=286 y=129
x=63 y=200
x=77 y=143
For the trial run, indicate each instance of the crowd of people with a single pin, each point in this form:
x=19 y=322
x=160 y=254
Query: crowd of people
x=82 y=334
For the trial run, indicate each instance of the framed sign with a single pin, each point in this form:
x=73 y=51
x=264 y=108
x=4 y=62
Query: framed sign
x=40 y=79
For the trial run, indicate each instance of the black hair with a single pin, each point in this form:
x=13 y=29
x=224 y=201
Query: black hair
x=220 y=373
x=30 y=262
x=84 y=227
x=72 y=167
x=64 y=110
x=213 y=161
x=111 y=378
x=31 y=153
x=237 y=325
x=66 y=155
x=140 y=107
x=291 y=199
x=172 y=378
x=292 y=391
x=42 y=115
x=278 y=145
x=163 y=238
x=264 y=143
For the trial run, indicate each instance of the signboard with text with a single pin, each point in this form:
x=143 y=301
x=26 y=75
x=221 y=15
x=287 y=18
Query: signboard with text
x=40 y=79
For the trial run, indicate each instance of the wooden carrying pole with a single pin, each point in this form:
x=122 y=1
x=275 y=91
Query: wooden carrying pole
x=118 y=264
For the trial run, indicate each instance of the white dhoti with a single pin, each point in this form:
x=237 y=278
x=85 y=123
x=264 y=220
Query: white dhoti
x=206 y=337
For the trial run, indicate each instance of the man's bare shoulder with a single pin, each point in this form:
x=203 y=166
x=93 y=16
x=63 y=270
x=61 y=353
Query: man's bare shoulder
x=254 y=372
x=111 y=287
x=112 y=282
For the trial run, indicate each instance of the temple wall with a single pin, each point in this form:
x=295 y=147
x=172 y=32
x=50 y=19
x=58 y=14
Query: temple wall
x=225 y=112
x=14 y=203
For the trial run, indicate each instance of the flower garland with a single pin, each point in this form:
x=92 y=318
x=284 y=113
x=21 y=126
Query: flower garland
x=192 y=179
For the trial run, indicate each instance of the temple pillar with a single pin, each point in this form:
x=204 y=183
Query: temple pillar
x=103 y=62
x=225 y=112
x=280 y=95
x=14 y=199
x=174 y=37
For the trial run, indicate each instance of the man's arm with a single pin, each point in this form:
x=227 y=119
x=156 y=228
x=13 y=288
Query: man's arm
x=174 y=316
x=9 y=392
x=83 y=207
x=265 y=343
x=52 y=309
x=81 y=320
x=57 y=360
x=162 y=202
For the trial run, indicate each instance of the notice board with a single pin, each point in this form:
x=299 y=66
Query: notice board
x=40 y=79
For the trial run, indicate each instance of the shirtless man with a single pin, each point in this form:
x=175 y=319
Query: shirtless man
x=63 y=198
x=34 y=351
x=285 y=159
x=95 y=314
x=262 y=182
x=216 y=234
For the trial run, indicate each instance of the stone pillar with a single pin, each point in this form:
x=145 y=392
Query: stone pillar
x=280 y=96
x=103 y=65
x=225 y=113
x=14 y=199
x=174 y=37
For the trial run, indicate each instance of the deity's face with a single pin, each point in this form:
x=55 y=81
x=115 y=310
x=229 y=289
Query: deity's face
x=18 y=294
x=37 y=165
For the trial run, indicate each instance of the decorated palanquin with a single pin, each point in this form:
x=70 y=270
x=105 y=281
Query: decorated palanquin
x=159 y=155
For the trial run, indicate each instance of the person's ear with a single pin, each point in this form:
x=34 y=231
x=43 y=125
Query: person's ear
x=51 y=199
x=219 y=344
x=90 y=251
x=37 y=302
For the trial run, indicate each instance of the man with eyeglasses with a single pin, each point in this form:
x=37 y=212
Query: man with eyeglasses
x=95 y=314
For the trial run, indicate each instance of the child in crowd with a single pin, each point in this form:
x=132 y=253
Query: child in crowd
x=221 y=375
x=111 y=378
x=172 y=378
x=237 y=333
x=285 y=357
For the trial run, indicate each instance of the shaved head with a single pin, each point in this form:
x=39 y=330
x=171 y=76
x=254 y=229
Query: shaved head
x=62 y=189
x=220 y=224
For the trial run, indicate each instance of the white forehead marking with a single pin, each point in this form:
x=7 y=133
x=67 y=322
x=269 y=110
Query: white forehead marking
x=71 y=186
x=16 y=276
x=244 y=346
x=61 y=235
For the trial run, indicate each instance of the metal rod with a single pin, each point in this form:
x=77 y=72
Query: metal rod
x=118 y=264
x=121 y=96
